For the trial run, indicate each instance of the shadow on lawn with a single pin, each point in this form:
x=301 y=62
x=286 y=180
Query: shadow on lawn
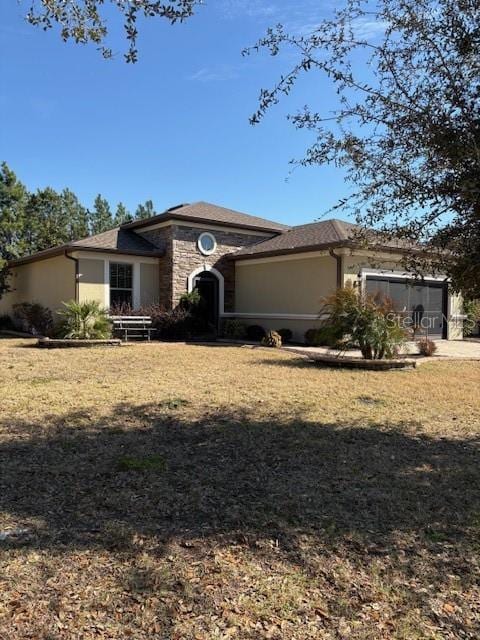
x=232 y=478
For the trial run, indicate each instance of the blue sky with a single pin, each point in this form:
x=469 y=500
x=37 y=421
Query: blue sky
x=173 y=127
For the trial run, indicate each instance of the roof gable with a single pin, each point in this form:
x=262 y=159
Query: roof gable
x=117 y=239
x=210 y=213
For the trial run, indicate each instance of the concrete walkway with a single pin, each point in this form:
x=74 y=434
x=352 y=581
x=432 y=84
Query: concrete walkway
x=446 y=349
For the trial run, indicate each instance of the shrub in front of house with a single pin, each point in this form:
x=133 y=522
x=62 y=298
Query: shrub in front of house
x=125 y=309
x=33 y=318
x=272 y=339
x=471 y=308
x=365 y=322
x=325 y=336
x=191 y=301
x=255 y=332
x=183 y=322
x=175 y=324
x=86 y=320
x=285 y=334
x=426 y=347
x=310 y=337
x=234 y=329
x=6 y=323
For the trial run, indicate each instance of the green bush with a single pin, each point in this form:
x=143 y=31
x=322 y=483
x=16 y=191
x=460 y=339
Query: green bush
x=33 y=318
x=255 y=333
x=272 y=339
x=234 y=329
x=310 y=337
x=365 y=322
x=85 y=321
x=191 y=300
x=471 y=309
x=178 y=324
x=285 y=334
x=6 y=323
x=325 y=336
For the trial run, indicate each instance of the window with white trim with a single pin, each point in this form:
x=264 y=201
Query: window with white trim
x=121 y=283
x=206 y=243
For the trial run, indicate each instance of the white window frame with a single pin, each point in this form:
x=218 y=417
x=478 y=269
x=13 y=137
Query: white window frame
x=110 y=288
x=135 y=281
x=205 y=252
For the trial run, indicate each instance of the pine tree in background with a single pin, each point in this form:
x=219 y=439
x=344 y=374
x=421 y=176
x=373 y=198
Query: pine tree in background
x=76 y=216
x=13 y=197
x=122 y=215
x=101 y=217
x=46 y=221
x=144 y=211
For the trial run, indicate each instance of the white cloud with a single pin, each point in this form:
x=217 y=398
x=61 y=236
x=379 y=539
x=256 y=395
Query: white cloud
x=215 y=74
x=250 y=8
x=367 y=29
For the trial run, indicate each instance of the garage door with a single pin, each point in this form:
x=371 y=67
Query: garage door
x=423 y=305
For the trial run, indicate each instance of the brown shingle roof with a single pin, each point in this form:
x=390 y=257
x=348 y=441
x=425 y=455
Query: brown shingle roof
x=206 y=212
x=316 y=235
x=117 y=239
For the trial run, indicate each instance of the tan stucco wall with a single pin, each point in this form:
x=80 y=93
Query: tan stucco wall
x=48 y=282
x=92 y=280
x=92 y=284
x=352 y=263
x=455 y=313
x=277 y=288
x=284 y=287
x=266 y=290
x=149 y=284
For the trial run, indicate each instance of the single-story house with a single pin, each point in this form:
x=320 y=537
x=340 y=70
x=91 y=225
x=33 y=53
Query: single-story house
x=245 y=267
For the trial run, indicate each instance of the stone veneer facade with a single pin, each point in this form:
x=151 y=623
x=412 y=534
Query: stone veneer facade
x=182 y=257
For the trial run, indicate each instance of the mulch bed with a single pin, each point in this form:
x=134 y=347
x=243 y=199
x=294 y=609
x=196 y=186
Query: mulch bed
x=48 y=343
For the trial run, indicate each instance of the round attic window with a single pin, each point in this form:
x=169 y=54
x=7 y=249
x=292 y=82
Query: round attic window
x=207 y=243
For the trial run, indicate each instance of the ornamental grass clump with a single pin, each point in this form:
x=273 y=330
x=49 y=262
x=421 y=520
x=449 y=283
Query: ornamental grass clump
x=427 y=347
x=85 y=321
x=365 y=322
x=272 y=339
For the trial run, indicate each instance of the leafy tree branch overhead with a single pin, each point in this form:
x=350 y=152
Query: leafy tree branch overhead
x=405 y=77
x=84 y=21
x=406 y=126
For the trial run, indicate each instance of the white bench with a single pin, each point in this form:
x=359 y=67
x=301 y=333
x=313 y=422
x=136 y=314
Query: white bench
x=132 y=327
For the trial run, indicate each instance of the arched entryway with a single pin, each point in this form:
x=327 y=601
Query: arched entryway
x=209 y=283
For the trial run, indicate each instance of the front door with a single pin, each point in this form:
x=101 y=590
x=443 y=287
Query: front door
x=206 y=283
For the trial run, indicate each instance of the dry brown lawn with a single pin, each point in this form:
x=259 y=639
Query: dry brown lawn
x=171 y=491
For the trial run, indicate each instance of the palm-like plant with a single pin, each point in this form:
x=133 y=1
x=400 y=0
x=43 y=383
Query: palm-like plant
x=85 y=321
x=365 y=322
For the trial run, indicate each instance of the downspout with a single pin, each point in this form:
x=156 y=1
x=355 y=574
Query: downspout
x=339 y=268
x=77 y=273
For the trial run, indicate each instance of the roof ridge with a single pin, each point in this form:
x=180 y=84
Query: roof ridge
x=215 y=213
x=95 y=235
x=309 y=224
x=338 y=228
